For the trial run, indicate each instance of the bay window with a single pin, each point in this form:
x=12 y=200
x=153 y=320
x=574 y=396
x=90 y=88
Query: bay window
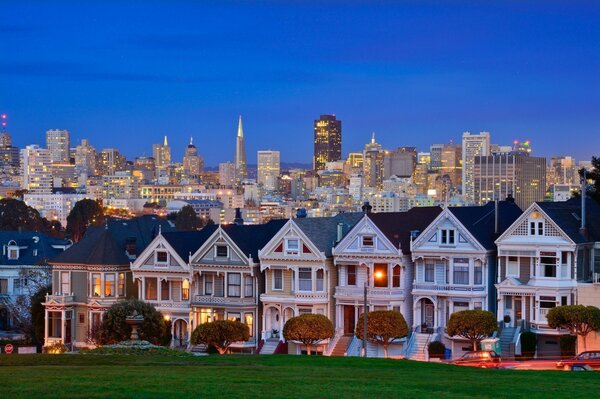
x=305 y=279
x=151 y=288
x=234 y=284
x=109 y=285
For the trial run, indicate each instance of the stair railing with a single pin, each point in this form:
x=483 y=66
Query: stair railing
x=331 y=345
x=411 y=342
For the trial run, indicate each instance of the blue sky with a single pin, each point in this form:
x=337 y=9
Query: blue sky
x=416 y=73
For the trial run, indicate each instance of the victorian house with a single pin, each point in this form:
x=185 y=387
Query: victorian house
x=541 y=259
x=92 y=275
x=227 y=280
x=375 y=257
x=300 y=276
x=455 y=267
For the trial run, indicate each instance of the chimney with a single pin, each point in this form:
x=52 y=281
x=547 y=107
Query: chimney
x=496 y=216
x=366 y=208
x=583 y=229
x=510 y=198
x=340 y=231
x=238 y=217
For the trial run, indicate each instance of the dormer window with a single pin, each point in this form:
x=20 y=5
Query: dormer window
x=221 y=251
x=536 y=228
x=447 y=236
x=368 y=241
x=162 y=257
x=13 y=253
x=292 y=246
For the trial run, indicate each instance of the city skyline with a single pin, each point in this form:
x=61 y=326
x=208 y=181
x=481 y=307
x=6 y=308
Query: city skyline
x=421 y=74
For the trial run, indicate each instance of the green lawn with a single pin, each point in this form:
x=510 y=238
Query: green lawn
x=112 y=376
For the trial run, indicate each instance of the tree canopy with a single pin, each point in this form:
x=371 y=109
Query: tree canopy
x=186 y=219
x=85 y=213
x=578 y=319
x=594 y=175
x=310 y=329
x=383 y=326
x=220 y=334
x=473 y=325
x=15 y=215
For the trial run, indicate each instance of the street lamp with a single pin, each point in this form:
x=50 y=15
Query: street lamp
x=376 y=276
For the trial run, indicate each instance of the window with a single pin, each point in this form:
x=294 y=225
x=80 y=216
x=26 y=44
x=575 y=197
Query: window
x=165 y=290
x=320 y=280
x=461 y=271
x=161 y=257
x=248 y=286
x=121 y=284
x=81 y=318
x=429 y=272
x=381 y=275
x=351 y=275
x=234 y=284
x=305 y=279
x=55 y=324
x=548 y=265
x=368 y=241
x=4 y=286
x=185 y=290
x=477 y=306
x=13 y=253
x=222 y=251
x=536 y=228
x=396 y=276
x=277 y=279
x=249 y=321
x=478 y=275
x=64 y=283
x=512 y=266
x=234 y=316
x=96 y=284
x=109 y=285
x=292 y=246
x=151 y=288
x=447 y=236
x=208 y=286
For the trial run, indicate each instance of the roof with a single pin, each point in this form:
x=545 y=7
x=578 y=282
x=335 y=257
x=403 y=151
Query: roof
x=251 y=238
x=186 y=242
x=105 y=245
x=323 y=231
x=480 y=221
x=36 y=248
x=567 y=215
x=397 y=226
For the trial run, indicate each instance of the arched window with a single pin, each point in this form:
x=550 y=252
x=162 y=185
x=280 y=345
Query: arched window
x=396 y=276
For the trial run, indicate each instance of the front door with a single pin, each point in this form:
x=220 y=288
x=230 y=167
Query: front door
x=349 y=320
x=428 y=314
x=518 y=309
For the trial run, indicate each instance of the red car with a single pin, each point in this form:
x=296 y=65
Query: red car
x=483 y=359
x=584 y=361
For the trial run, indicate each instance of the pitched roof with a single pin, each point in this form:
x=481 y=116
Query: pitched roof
x=251 y=238
x=186 y=242
x=397 y=226
x=567 y=215
x=481 y=220
x=36 y=248
x=323 y=231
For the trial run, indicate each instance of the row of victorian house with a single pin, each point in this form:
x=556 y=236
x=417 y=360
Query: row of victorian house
x=426 y=263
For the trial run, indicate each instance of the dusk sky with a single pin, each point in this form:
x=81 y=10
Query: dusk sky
x=416 y=73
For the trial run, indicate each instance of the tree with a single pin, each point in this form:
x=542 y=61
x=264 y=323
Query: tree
x=473 y=325
x=593 y=175
x=114 y=328
x=578 y=319
x=310 y=329
x=38 y=314
x=220 y=334
x=15 y=215
x=187 y=219
x=85 y=213
x=383 y=326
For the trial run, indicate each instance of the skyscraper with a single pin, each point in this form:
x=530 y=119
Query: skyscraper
x=473 y=145
x=162 y=154
x=241 y=171
x=109 y=161
x=58 y=143
x=227 y=174
x=85 y=159
x=451 y=163
x=400 y=162
x=328 y=141
x=373 y=164
x=435 y=151
x=193 y=164
x=36 y=173
x=268 y=169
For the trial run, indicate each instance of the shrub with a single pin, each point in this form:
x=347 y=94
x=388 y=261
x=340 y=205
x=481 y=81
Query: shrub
x=528 y=345
x=568 y=345
x=310 y=329
x=383 y=327
x=473 y=325
x=436 y=350
x=55 y=349
x=220 y=334
x=578 y=319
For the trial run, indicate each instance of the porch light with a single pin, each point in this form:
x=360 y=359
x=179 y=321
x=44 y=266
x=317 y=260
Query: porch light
x=167 y=317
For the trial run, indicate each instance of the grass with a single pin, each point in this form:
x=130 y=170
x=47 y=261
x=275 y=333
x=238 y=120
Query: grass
x=249 y=376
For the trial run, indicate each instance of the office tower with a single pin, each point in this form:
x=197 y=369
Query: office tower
x=85 y=159
x=109 y=161
x=328 y=141
x=9 y=155
x=58 y=143
x=435 y=151
x=144 y=168
x=473 y=145
x=162 y=154
x=35 y=169
x=451 y=163
x=400 y=162
x=373 y=164
x=268 y=169
x=227 y=174
x=355 y=187
x=515 y=173
x=241 y=167
x=193 y=164
x=563 y=170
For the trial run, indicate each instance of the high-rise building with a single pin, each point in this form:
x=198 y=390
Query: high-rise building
x=35 y=169
x=9 y=154
x=144 y=168
x=85 y=159
x=193 y=164
x=58 y=143
x=400 y=162
x=473 y=145
x=241 y=166
x=328 y=141
x=269 y=169
x=563 y=170
x=109 y=161
x=515 y=173
x=451 y=163
x=435 y=151
x=373 y=164
x=162 y=154
x=227 y=174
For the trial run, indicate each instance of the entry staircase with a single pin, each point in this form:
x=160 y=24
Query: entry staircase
x=341 y=346
x=270 y=346
x=199 y=350
x=418 y=346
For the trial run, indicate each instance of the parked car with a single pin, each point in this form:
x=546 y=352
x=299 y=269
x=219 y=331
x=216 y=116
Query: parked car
x=483 y=359
x=584 y=361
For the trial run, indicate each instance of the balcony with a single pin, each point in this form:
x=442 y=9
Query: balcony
x=61 y=299
x=170 y=305
x=448 y=287
x=371 y=292
x=222 y=300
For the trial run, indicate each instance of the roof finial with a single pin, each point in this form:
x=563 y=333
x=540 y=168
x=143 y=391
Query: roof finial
x=240 y=129
x=166 y=143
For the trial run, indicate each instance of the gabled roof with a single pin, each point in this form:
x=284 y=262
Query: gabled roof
x=480 y=220
x=251 y=238
x=397 y=225
x=322 y=232
x=36 y=248
x=567 y=215
x=186 y=242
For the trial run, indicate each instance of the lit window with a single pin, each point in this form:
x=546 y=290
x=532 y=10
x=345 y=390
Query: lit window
x=249 y=321
x=121 y=286
x=185 y=290
x=151 y=288
x=109 y=285
x=96 y=284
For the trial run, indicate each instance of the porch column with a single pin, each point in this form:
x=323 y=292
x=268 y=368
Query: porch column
x=45 y=326
x=143 y=290
x=523 y=299
x=63 y=326
x=242 y=286
x=224 y=285
x=500 y=309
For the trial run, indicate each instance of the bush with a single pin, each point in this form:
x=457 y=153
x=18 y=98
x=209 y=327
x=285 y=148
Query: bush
x=578 y=319
x=528 y=345
x=114 y=329
x=136 y=348
x=436 y=350
x=568 y=345
x=220 y=334
x=55 y=349
x=310 y=329
x=473 y=325
x=383 y=327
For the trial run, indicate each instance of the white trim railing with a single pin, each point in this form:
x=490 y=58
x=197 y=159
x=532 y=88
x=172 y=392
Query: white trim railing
x=447 y=287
